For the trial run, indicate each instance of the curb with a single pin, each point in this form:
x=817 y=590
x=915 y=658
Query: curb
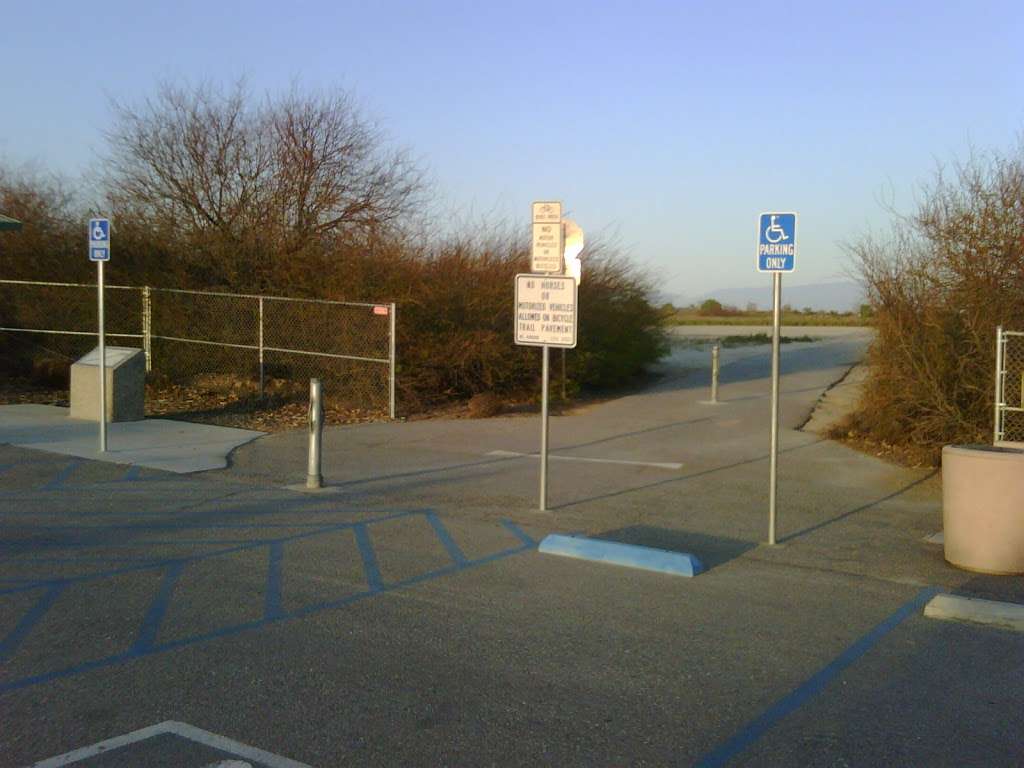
x=973 y=609
x=626 y=555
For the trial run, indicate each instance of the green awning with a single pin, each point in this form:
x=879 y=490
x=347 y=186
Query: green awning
x=7 y=223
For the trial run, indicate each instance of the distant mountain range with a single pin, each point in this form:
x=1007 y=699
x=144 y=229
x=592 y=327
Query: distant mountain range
x=840 y=296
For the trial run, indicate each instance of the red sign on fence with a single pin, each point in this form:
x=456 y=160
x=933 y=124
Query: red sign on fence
x=380 y=309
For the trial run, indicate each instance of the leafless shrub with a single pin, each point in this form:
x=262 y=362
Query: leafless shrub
x=939 y=285
x=484 y=405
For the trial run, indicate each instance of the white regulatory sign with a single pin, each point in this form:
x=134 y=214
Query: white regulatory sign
x=546 y=243
x=546 y=311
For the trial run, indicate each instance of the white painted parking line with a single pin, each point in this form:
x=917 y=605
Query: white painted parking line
x=185 y=731
x=994 y=612
x=557 y=457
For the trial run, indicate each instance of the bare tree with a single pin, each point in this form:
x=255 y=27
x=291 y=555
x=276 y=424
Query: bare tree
x=331 y=169
x=255 y=179
x=192 y=155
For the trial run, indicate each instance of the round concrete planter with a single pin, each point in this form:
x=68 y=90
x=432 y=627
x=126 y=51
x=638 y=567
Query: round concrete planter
x=983 y=508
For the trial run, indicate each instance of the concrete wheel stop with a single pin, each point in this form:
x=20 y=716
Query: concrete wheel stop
x=626 y=555
x=976 y=610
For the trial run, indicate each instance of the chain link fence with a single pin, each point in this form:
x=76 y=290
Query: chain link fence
x=270 y=344
x=1009 y=417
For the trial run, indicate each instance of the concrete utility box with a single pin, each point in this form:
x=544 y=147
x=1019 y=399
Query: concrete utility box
x=126 y=385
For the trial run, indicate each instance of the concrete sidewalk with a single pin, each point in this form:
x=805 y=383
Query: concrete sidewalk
x=173 y=446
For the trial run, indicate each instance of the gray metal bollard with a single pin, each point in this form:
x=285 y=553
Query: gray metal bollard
x=314 y=477
x=714 y=374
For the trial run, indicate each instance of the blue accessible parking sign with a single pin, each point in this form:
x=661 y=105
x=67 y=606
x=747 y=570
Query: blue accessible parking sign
x=776 y=242
x=99 y=240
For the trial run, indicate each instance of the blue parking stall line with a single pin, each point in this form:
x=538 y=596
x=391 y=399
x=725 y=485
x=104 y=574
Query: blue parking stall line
x=169 y=526
x=78 y=669
x=520 y=534
x=98 y=544
x=27 y=622
x=151 y=623
x=814 y=685
x=57 y=483
x=86 y=559
x=238 y=546
x=370 y=567
x=150 y=627
x=454 y=552
x=239 y=509
x=272 y=604
x=131 y=474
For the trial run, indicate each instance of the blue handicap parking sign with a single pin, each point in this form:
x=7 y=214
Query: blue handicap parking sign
x=99 y=230
x=99 y=239
x=776 y=242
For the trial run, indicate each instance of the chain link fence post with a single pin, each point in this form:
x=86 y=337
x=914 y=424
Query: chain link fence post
x=1009 y=427
x=997 y=424
x=147 y=327
x=391 y=358
x=260 y=342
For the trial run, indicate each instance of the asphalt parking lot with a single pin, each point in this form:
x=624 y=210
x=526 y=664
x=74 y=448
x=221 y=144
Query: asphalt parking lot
x=405 y=617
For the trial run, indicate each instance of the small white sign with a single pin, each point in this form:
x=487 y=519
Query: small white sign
x=546 y=311
x=547 y=212
x=546 y=243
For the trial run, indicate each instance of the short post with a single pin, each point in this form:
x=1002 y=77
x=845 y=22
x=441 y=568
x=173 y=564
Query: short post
x=314 y=476
x=714 y=374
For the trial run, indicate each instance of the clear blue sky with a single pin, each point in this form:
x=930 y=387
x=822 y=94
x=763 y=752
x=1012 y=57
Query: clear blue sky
x=673 y=124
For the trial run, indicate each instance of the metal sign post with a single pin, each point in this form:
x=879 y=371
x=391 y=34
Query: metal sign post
x=546 y=316
x=773 y=469
x=99 y=251
x=776 y=253
x=544 y=428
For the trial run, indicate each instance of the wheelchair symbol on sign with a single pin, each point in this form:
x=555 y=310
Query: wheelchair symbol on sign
x=97 y=232
x=774 y=233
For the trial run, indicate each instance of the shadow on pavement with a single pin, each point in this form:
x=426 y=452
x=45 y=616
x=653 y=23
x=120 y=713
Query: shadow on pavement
x=712 y=551
x=992 y=587
x=862 y=508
